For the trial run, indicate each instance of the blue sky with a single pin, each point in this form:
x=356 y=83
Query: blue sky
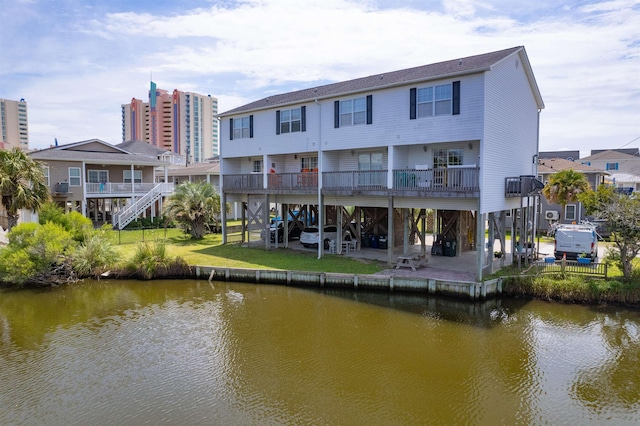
x=76 y=62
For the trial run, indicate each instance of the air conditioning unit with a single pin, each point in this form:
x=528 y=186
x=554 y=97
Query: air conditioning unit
x=551 y=215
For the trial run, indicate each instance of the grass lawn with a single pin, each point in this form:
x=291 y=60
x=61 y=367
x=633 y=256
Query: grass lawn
x=209 y=251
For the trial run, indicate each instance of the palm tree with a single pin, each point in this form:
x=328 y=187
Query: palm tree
x=565 y=186
x=22 y=183
x=194 y=205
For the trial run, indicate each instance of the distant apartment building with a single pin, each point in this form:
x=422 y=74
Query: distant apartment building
x=181 y=122
x=15 y=124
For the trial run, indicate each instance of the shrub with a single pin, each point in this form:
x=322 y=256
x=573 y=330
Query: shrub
x=36 y=253
x=78 y=225
x=96 y=255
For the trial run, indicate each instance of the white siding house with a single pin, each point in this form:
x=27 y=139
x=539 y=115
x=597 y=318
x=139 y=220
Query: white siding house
x=447 y=137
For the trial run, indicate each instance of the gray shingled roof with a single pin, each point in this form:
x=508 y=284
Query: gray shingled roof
x=553 y=165
x=141 y=147
x=468 y=65
x=118 y=156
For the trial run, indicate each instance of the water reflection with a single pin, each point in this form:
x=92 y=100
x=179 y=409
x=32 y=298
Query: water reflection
x=191 y=352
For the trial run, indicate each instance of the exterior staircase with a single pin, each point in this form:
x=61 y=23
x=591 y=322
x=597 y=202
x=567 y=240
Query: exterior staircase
x=133 y=210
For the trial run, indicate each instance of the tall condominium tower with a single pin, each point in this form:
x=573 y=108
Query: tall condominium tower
x=15 y=124
x=181 y=122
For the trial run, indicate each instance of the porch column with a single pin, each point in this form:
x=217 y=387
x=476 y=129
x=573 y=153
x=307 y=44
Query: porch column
x=405 y=231
x=339 y=233
x=481 y=243
x=390 y=153
x=265 y=222
x=390 y=236
x=492 y=237
x=223 y=216
x=84 y=189
x=503 y=238
x=243 y=215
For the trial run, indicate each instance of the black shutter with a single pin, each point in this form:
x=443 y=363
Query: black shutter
x=251 y=126
x=336 y=114
x=369 y=109
x=277 y=122
x=412 y=103
x=456 y=98
x=303 y=118
x=231 y=129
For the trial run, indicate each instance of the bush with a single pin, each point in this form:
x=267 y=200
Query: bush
x=151 y=261
x=78 y=225
x=96 y=255
x=35 y=253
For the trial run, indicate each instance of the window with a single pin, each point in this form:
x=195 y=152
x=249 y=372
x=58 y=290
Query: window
x=447 y=157
x=570 y=212
x=370 y=161
x=241 y=128
x=137 y=176
x=353 y=112
x=434 y=101
x=291 y=120
x=431 y=101
x=257 y=166
x=612 y=166
x=98 y=176
x=46 y=175
x=74 y=176
x=309 y=163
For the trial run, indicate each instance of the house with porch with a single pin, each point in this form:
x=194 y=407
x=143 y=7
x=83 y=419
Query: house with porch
x=454 y=141
x=104 y=182
x=573 y=212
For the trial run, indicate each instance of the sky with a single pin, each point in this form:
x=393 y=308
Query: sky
x=76 y=62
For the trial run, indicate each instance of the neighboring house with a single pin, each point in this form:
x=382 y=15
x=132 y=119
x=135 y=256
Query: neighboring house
x=106 y=183
x=148 y=150
x=573 y=212
x=199 y=172
x=458 y=137
x=567 y=155
x=615 y=160
x=625 y=182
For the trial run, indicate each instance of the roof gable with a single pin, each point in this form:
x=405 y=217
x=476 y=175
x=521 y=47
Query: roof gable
x=94 y=151
x=455 y=67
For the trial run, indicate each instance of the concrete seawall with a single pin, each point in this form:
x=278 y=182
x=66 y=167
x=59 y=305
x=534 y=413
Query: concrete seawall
x=460 y=289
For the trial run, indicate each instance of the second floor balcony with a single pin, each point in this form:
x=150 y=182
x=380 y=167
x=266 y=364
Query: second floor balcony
x=460 y=181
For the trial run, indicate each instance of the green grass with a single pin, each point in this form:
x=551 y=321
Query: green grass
x=209 y=251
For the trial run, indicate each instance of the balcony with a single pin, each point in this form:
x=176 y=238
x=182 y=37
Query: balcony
x=123 y=190
x=457 y=181
x=521 y=186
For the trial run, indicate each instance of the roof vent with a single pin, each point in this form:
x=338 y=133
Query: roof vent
x=382 y=76
x=460 y=62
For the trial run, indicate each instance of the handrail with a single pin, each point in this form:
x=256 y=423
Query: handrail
x=124 y=217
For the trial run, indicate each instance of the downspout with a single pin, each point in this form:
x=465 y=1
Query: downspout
x=320 y=169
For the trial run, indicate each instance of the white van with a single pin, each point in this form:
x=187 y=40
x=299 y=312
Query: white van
x=575 y=241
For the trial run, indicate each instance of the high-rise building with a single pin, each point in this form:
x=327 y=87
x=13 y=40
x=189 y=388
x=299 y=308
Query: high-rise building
x=182 y=122
x=15 y=124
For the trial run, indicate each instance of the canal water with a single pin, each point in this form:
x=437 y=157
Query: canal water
x=198 y=353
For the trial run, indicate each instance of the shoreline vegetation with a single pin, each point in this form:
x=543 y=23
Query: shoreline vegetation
x=170 y=253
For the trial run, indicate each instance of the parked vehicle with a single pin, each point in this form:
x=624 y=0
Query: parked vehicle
x=574 y=241
x=277 y=227
x=294 y=231
x=310 y=237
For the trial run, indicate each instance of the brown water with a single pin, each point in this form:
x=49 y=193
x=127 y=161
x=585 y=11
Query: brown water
x=191 y=352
